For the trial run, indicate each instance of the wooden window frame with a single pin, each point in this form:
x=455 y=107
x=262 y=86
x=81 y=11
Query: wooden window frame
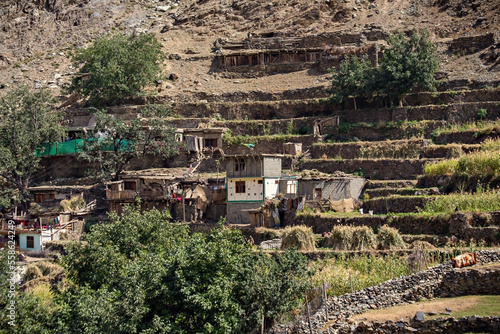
x=30 y=241
x=239 y=187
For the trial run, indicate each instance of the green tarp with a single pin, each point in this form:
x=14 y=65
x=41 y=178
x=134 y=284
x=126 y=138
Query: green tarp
x=73 y=146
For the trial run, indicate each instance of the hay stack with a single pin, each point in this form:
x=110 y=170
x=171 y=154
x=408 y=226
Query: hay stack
x=300 y=237
x=389 y=238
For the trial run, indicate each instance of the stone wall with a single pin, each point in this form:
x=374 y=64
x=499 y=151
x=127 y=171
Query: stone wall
x=478 y=226
x=438 y=281
x=272 y=145
x=399 y=149
x=376 y=169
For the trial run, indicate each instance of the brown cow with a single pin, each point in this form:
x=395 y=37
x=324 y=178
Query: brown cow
x=464 y=260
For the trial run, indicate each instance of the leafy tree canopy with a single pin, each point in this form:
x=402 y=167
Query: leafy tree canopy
x=28 y=119
x=114 y=142
x=141 y=274
x=352 y=78
x=406 y=63
x=117 y=66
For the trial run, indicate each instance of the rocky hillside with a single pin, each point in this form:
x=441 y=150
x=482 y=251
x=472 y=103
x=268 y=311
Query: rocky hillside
x=37 y=37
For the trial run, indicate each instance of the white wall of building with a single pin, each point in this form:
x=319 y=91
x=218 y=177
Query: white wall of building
x=253 y=189
x=272 y=187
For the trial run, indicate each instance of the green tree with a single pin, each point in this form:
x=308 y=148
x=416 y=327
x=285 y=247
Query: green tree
x=351 y=78
x=407 y=62
x=141 y=274
x=29 y=119
x=114 y=142
x=117 y=66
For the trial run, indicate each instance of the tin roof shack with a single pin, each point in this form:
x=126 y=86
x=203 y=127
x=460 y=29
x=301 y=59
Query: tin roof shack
x=251 y=179
x=155 y=187
x=319 y=187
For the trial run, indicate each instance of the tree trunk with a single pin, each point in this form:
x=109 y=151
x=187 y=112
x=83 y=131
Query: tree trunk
x=354 y=99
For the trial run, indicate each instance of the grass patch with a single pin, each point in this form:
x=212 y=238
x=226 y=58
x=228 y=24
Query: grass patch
x=461 y=306
x=478 y=202
x=43 y=292
x=485 y=162
x=362 y=270
x=480 y=128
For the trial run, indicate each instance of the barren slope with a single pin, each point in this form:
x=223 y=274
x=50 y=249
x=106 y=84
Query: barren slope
x=37 y=37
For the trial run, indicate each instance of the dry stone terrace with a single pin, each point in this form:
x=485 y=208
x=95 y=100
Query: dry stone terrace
x=440 y=281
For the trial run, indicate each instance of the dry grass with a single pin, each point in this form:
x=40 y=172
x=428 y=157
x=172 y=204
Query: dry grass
x=389 y=238
x=485 y=162
x=73 y=204
x=341 y=237
x=41 y=272
x=419 y=244
x=363 y=238
x=300 y=237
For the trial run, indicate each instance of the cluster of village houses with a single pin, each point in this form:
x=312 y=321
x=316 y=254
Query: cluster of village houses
x=254 y=192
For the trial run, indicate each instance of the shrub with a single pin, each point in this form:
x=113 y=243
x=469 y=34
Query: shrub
x=389 y=238
x=300 y=237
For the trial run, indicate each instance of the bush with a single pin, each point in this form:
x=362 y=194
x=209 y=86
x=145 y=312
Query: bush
x=389 y=238
x=115 y=67
x=300 y=237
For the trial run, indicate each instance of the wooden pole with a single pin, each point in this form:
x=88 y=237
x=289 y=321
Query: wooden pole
x=326 y=300
x=262 y=326
x=350 y=280
x=184 y=207
x=309 y=316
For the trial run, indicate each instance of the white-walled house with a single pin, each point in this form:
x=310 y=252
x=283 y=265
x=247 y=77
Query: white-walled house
x=251 y=179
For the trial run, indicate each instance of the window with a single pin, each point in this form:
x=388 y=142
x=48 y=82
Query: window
x=240 y=187
x=39 y=198
x=260 y=182
x=30 y=242
x=291 y=187
x=130 y=185
x=239 y=165
x=317 y=193
x=211 y=142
